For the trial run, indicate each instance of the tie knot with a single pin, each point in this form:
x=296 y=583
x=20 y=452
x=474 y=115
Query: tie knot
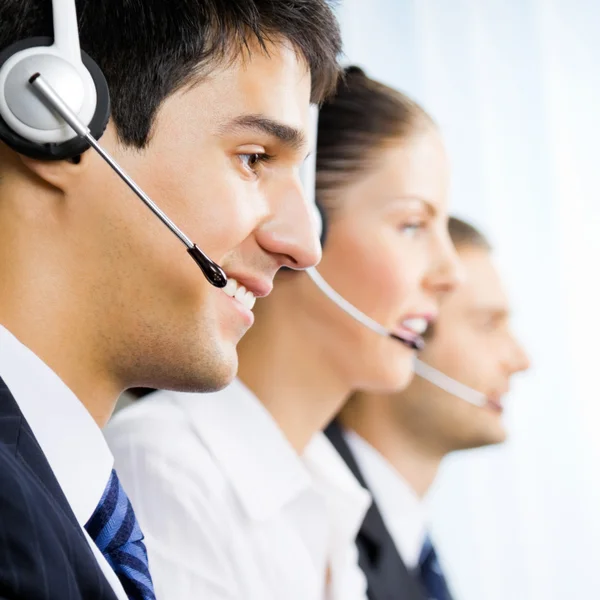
x=113 y=523
x=428 y=553
x=431 y=573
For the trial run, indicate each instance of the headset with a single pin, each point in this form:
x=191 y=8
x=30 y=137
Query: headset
x=55 y=105
x=422 y=369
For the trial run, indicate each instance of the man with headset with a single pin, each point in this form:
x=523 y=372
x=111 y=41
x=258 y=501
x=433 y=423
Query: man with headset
x=209 y=116
x=394 y=444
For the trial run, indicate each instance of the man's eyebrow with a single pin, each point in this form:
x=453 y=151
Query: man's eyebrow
x=290 y=136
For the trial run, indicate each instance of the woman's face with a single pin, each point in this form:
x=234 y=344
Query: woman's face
x=389 y=253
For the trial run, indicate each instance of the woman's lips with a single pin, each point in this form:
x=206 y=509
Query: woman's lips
x=405 y=333
x=416 y=343
x=409 y=337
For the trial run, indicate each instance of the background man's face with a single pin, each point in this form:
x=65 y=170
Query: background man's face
x=473 y=343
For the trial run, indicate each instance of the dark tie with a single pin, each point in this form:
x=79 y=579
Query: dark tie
x=431 y=574
x=115 y=530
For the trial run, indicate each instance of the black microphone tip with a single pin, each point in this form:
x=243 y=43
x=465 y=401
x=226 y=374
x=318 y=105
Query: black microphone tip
x=212 y=271
x=415 y=344
x=216 y=276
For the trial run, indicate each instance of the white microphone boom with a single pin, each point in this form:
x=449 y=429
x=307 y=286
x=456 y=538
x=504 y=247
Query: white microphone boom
x=423 y=370
x=448 y=384
x=344 y=304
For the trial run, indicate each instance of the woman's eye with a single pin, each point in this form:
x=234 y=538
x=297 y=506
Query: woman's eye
x=412 y=229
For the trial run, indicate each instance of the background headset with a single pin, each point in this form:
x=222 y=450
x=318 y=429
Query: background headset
x=437 y=378
x=55 y=104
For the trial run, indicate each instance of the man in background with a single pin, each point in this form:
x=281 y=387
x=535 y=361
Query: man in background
x=394 y=444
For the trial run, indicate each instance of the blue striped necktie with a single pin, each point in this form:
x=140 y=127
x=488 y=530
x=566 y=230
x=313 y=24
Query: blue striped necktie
x=116 y=532
x=432 y=577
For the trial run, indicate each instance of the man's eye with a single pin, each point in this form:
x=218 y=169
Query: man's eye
x=254 y=160
x=490 y=325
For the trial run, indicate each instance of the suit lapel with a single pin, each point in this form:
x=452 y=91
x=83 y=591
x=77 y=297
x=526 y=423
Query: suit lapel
x=10 y=419
x=18 y=438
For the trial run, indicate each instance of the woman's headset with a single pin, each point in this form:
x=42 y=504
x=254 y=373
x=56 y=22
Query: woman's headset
x=437 y=378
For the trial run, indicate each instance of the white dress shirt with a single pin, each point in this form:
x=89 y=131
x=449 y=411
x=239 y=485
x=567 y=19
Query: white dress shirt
x=402 y=511
x=230 y=511
x=66 y=432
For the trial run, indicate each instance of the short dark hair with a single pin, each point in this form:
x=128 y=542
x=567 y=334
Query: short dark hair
x=464 y=235
x=149 y=49
x=358 y=119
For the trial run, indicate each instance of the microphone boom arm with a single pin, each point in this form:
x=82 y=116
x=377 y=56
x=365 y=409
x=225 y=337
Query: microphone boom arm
x=213 y=272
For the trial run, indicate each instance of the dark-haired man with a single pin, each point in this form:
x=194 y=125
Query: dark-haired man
x=210 y=108
x=394 y=444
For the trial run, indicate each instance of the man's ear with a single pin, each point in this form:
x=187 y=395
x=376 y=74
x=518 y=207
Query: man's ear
x=58 y=173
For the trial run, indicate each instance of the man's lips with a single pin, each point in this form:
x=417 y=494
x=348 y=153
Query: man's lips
x=259 y=286
x=495 y=400
x=245 y=289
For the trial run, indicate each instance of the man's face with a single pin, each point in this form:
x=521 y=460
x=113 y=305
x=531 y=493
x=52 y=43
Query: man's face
x=223 y=164
x=472 y=342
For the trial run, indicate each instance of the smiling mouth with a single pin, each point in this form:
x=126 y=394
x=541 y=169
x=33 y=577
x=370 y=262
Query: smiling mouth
x=412 y=330
x=416 y=325
x=238 y=292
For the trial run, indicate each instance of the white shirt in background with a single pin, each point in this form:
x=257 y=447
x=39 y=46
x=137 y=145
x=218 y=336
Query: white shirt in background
x=66 y=432
x=229 y=509
x=402 y=511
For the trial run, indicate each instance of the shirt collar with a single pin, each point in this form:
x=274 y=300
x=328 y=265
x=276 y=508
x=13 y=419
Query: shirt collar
x=402 y=510
x=261 y=465
x=347 y=500
x=66 y=432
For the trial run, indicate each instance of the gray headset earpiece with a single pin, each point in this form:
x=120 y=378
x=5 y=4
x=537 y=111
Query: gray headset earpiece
x=23 y=111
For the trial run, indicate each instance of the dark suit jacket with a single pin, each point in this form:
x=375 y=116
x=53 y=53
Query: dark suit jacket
x=387 y=575
x=44 y=555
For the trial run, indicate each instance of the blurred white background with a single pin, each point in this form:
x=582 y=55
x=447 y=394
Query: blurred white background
x=515 y=87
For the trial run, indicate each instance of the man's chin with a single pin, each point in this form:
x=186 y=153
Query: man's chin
x=483 y=438
x=210 y=374
x=224 y=370
x=496 y=432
